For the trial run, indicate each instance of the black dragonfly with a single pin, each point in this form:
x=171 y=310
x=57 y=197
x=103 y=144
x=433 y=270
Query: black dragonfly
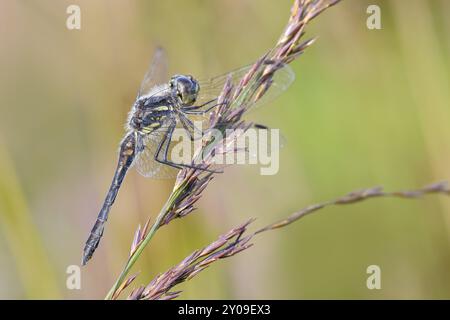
x=162 y=105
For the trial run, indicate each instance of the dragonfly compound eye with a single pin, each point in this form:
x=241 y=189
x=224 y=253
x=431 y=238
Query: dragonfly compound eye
x=187 y=89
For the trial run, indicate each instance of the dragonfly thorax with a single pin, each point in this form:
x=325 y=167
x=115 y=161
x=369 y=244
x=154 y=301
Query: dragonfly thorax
x=150 y=111
x=150 y=114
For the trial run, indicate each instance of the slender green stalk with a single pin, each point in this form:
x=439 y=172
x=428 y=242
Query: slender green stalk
x=135 y=254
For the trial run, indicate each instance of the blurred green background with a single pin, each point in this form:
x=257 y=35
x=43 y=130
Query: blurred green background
x=369 y=107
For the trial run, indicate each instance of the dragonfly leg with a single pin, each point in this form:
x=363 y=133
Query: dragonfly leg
x=195 y=109
x=165 y=142
x=188 y=126
x=190 y=107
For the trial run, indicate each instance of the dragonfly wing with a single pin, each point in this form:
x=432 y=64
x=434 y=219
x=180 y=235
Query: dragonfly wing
x=146 y=150
x=281 y=81
x=157 y=72
x=248 y=147
x=211 y=89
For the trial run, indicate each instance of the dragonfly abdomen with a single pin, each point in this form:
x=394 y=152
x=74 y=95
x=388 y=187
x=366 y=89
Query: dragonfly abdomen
x=126 y=157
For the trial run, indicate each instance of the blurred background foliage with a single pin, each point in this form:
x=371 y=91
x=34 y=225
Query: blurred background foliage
x=369 y=107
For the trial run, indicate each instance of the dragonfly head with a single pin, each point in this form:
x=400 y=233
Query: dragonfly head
x=185 y=88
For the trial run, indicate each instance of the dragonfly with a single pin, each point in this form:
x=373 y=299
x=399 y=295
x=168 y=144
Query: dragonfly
x=161 y=105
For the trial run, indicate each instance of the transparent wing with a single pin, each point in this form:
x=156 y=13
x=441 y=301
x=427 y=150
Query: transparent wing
x=210 y=89
x=157 y=72
x=145 y=162
x=251 y=147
